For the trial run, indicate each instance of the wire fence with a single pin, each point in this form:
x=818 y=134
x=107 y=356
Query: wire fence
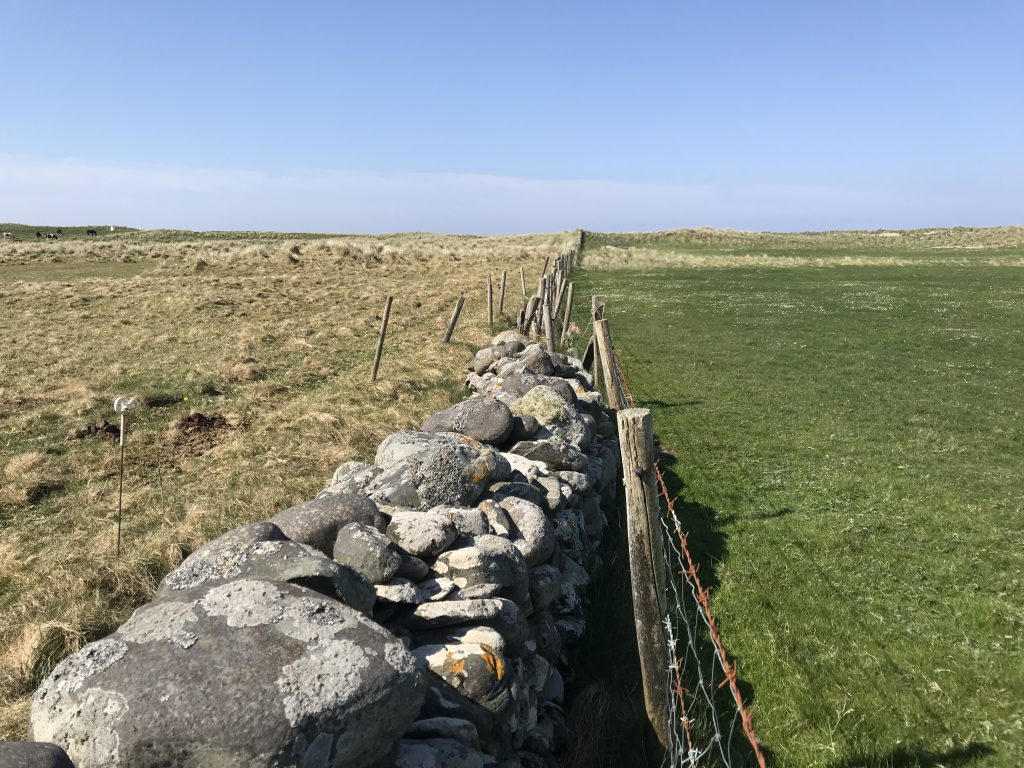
x=708 y=721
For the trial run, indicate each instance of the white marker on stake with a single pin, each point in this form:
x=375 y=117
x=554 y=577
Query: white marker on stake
x=121 y=404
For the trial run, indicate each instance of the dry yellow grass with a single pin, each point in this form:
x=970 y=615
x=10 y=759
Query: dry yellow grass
x=275 y=334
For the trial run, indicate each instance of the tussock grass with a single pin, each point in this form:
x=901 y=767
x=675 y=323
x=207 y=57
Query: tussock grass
x=281 y=350
x=849 y=452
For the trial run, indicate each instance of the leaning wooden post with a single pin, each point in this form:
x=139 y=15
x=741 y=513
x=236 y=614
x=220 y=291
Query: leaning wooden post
x=568 y=312
x=543 y=271
x=455 y=318
x=549 y=329
x=501 y=294
x=490 y=301
x=380 y=340
x=616 y=400
x=528 y=313
x=596 y=313
x=646 y=561
x=522 y=278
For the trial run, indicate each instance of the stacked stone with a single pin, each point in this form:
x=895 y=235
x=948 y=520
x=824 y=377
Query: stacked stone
x=416 y=613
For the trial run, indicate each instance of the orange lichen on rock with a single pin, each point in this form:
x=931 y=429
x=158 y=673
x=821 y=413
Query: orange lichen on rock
x=493 y=661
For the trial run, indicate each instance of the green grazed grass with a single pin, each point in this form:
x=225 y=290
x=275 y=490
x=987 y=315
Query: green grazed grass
x=854 y=435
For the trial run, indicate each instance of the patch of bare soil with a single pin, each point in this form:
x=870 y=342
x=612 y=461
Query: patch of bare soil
x=197 y=433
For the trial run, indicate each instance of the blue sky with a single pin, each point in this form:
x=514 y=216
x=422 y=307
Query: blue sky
x=506 y=117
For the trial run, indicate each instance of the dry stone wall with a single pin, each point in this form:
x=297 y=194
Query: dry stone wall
x=418 y=612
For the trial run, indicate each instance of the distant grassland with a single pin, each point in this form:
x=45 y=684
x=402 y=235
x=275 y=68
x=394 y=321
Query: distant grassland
x=273 y=334
x=710 y=248
x=849 y=448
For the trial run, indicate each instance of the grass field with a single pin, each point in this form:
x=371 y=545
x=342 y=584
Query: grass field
x=270 y=336
x=845 y=412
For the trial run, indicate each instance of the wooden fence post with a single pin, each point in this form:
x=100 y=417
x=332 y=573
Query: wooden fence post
x=455 y=318
x=522 y=279
x=612 y=385
x=549 y=330
x=568 y=312
x=380 y=340
x=596 y=313
x=501 y=294
x=490 y=301
x=646 y=561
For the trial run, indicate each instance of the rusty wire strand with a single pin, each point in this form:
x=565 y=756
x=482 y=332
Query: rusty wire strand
x=684 y=749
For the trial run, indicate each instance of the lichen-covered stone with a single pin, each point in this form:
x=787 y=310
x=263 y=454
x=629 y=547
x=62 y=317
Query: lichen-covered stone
x=497 y=612
x=555 y=452
x=399 y=591
x=479 y=672
x=247 y=672
x=286 y=561
x=481 y=418
x=544 y=404
x=526 y=491
x=488 y=566
x=533 y=534
x=250 y=533
x=444 y=472
x=317 y=522
x=468 y=521
x=421 y=534
x=351 y=477
x=368 y=551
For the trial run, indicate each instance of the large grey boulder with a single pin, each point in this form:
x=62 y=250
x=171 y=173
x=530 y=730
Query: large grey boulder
x=368 y=551
x=245 y=673
x=32 y=754
x=481 y=418
x=286 y=561
x=317 y=522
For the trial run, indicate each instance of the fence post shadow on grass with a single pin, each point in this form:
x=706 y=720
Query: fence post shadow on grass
x=708 y=546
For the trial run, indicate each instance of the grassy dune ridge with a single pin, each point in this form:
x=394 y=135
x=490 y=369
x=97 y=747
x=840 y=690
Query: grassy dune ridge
x=847 y=443
x=271 y=336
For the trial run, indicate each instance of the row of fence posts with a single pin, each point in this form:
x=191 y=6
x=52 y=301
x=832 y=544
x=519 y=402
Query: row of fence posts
x=647 y=563
x=542 y=313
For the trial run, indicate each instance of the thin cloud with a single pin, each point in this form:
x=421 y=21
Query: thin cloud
x=65 y=191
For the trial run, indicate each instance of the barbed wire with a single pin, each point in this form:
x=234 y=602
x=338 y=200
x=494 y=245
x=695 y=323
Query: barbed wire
x=708 y=722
